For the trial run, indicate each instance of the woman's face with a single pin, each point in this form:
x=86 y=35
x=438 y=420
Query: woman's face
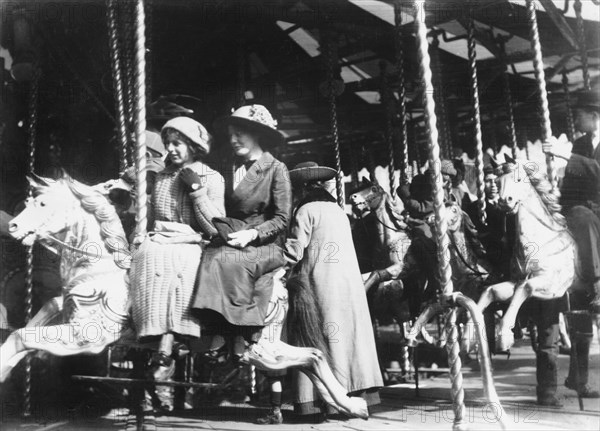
x=179 y=152
x=242 y=142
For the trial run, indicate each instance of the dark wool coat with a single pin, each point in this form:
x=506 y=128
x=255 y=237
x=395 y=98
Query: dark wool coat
x=263 y=201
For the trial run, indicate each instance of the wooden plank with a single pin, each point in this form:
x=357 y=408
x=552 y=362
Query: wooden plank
x=559 y=20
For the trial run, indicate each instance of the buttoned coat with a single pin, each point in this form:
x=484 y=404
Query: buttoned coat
x=227 y=275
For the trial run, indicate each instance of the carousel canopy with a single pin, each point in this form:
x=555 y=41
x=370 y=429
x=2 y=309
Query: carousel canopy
x=272 y=53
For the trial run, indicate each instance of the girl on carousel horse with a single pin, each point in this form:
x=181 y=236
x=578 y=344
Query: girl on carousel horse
x=187 y=195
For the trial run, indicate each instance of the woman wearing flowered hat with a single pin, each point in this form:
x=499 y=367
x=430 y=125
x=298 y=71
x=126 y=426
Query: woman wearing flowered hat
x=187 y=195
x=258 y=201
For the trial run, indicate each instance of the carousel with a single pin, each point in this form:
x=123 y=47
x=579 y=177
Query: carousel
x=385 y=93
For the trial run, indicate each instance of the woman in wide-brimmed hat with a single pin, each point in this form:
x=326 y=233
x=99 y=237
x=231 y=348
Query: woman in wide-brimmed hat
x=320 y=247
x=258 y=206
x=187 y=195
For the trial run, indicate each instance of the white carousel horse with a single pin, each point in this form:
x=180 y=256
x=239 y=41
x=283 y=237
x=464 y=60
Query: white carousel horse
x=78 y=223
x=82 y=227
x=545 y=254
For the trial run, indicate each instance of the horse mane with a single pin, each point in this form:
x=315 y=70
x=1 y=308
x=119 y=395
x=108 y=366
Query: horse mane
x=111 y=229
x=548 y=197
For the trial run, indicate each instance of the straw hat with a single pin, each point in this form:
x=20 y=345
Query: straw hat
x=310 y=171
x=255 y=118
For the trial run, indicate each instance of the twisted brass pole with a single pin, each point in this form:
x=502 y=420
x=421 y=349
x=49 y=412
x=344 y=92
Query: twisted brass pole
x=404 y=162
x=540 y=77
x=508 y=98
x=570 y=120
x=387 y=103
x=476 y=120
x=582 y=45
x=140 y=120
x=117 y=81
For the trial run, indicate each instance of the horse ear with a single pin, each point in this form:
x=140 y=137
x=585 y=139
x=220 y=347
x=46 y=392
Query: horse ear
x=509 y=159
x=494 y=163
x=366 y=181
x=36 y=181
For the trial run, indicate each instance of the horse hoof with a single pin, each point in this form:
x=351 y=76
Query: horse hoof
x=504 y=341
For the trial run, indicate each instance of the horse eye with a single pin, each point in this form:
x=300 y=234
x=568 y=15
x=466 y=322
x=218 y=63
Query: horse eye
x=42 y=203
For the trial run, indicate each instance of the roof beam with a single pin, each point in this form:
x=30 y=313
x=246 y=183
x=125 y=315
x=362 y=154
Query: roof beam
x=559 y=20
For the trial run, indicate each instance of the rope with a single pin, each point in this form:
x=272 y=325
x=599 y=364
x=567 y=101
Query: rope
x=582 y=45
x=540 y=77
x=331 y=62
x=404 y=162
x=117 y=81
x=508 y=98
x=387 y=102
x=441 y=226
x=32 y=132
x=570 y=121
x=140 y=123
x=476 y=120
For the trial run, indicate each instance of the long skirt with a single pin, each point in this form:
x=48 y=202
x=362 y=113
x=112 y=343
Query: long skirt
x=227 y=279
x=163 y=279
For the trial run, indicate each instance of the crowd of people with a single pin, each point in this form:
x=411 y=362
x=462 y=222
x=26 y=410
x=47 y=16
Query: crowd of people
x=191 y=276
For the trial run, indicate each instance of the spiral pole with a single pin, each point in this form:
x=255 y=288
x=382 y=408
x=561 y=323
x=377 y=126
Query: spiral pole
x=441 y=226
x=508 y=99
x=129 y=35
x=241 y=71
x=438 y=91
x=141 y=218
x=32 y=135
x=115 y=62
x=570 y=120
x=404 y=162
x=149 y=46
x=476 y=119
x=456 y=376
x=387 y=102
x=582 y=45
x=540 y=77
x=331 y=63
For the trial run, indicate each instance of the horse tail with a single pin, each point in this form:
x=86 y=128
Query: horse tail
x=305 y=321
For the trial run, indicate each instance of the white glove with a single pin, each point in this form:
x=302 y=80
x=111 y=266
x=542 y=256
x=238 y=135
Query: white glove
x=242 y=238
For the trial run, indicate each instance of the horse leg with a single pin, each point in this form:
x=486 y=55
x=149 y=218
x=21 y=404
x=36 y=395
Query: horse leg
x=504 y=334
x=278 y=355
x=14 y=348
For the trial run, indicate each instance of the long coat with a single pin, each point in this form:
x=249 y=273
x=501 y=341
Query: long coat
x=320 y=243
x=163 y=276
x=262 y=200
x=581 y=183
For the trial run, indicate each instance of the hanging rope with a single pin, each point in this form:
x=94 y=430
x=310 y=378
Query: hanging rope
x=540 y=77
x=508 y=97
x=387 y=103
x=140 y=121
x=117 y=81
x=570 y=120
x=404 y=163
x=331 y=55
x=476 y=120
x=441 y=227
x=32 y=134
x=582 y=45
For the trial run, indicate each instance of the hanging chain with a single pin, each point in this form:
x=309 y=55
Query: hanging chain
x=540 y=77
x=141 y=218
x=570 y=120
x=582 y=45
x=404 y=162
x=117 y=81
x=331 y=64
x=508 y=97
x=387 y=103
x=476 y=120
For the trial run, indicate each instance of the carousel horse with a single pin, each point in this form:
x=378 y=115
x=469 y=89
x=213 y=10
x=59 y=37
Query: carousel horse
x=82 y=227
x=544 y=261
x=79 y=224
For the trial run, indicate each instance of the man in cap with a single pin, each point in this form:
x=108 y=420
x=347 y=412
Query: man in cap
x=580 y=199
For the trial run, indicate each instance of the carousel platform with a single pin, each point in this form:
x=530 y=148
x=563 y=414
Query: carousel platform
x=400 y=408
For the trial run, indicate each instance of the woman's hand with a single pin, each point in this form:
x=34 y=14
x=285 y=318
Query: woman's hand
x=192 y=179
x=242 y=238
